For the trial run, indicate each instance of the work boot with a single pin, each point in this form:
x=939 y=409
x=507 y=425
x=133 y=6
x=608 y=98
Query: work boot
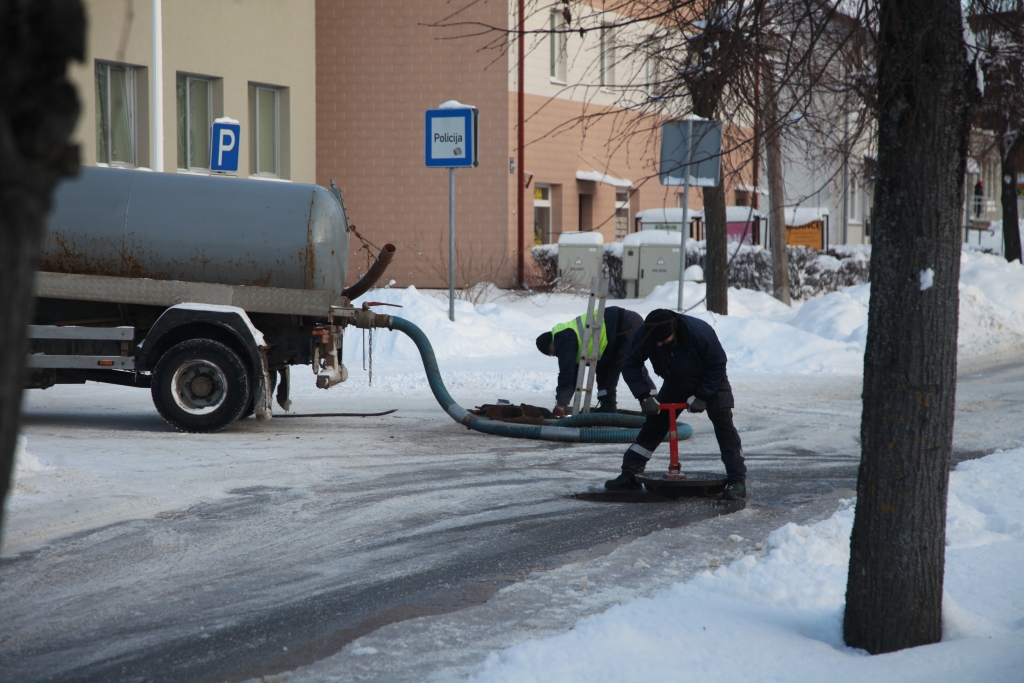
x=734 y=490
x=605 y=406
x=624 y=482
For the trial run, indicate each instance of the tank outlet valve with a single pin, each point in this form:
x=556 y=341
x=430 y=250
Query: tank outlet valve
x=327 y=365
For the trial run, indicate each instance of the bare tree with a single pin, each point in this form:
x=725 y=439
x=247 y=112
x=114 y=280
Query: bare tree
x=38 y=110
x=925 y=97
x=707 y=58
x=999 y=26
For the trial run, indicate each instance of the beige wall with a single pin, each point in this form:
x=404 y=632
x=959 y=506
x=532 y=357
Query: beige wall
x=262 y=41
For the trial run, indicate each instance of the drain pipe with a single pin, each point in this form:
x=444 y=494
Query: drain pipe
x=589 y=428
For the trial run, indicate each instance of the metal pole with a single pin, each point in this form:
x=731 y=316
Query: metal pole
x=157 y=96
x=846 y=178
x=451 y=244
x=686 y=211
x=521 y=152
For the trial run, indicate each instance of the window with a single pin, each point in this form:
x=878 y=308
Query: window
x=264 y=138
x=852 y=199
x=557 y=46
x=115 y=114
x=194 y=121
x=621 y=213
x=654 y=67
x=541 y=214
x=607 y=57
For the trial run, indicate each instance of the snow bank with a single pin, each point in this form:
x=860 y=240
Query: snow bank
x=826 y=334
x=776 y=615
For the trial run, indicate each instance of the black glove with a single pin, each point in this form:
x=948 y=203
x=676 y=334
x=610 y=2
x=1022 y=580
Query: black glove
x=650 y=406
x=697 y=405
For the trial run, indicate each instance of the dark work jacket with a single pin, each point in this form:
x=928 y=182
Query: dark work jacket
x=696 y=369
x=620 y=325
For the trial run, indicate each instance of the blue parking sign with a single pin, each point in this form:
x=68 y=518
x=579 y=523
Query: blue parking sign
x=451 y=136
x=224 y=143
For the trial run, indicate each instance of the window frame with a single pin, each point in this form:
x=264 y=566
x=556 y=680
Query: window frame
x=606 y=57
x=189 y=78
x=558 y=48
x=131 y=87
x=254 y=161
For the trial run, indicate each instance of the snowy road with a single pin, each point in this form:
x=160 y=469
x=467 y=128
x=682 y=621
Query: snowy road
x=280 y=543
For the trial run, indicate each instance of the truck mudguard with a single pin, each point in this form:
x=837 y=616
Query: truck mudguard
x=189 y=320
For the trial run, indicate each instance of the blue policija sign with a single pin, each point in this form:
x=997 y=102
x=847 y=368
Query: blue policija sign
x=224 y=143
x=451 y=136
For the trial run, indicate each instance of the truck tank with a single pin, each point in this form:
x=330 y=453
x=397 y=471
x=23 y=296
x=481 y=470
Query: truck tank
x=194 y=228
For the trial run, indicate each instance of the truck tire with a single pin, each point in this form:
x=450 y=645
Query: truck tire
x=200 y=386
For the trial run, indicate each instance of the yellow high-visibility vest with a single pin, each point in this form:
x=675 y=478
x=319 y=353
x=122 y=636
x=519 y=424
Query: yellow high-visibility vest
x=576 y=326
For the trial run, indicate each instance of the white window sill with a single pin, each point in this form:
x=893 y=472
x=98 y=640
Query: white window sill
x=606 y=89
x=558 y=82
x=269 y=178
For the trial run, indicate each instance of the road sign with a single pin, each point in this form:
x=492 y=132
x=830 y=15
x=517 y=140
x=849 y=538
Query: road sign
x=704 y=165
x=451 y=136
x=224 y=144
x=691 y=154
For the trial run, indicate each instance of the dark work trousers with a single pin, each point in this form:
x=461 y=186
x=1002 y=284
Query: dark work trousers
x=656 y=427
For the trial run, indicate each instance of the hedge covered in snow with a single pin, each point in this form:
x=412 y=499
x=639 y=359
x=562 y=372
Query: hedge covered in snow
x=811 y=272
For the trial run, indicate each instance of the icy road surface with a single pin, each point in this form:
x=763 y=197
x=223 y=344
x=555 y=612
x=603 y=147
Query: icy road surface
x=144 y=554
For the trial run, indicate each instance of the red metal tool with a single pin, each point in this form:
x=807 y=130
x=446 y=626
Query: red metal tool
x=674 y=470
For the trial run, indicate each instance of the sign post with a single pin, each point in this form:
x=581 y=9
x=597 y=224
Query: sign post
x=224 y=144
x=450 y=137
x=691 y=154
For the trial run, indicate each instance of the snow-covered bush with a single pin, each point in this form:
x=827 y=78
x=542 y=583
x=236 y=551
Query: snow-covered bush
x=811 y=272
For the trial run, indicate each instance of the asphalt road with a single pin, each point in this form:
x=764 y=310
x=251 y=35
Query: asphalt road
x=271 y=577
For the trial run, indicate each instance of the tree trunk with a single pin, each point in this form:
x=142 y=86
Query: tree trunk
x=776 y=189
x=38 y=110
x=1008 y=198
x=926 y=93
x=716 y=262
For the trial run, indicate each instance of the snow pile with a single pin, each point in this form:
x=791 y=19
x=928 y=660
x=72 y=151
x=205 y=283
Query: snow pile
x=776 y=615
x=492 y=344
x=991 y=303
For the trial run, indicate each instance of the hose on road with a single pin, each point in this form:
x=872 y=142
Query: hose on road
x=586 y=428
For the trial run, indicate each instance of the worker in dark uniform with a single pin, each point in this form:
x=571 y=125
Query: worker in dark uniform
x=565 y=342
x=686 y=353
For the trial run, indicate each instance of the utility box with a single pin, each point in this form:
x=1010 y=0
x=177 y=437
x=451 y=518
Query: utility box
x=580 y=258
x=650 y=258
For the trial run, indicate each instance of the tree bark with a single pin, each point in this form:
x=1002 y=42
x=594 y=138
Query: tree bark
x=1008 y=198
x=716 y=263
x=926 y=93
x=776 y=189
x=38 y=110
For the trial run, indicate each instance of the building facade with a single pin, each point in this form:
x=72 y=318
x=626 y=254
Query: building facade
x=591 y=164
x=252 y=61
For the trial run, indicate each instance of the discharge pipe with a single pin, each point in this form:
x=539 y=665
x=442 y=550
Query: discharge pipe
x=588 y=428
x=360 y=286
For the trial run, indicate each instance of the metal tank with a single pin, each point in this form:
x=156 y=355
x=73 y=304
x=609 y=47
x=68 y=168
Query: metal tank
x=194 y=228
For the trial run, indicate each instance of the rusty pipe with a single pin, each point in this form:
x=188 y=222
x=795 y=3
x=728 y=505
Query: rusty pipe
x=360 y=286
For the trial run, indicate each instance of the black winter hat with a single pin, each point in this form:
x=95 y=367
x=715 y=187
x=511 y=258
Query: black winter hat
x=661 y=323
x=544 y=343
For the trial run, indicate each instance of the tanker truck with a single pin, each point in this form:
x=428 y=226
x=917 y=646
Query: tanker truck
x=203 y=289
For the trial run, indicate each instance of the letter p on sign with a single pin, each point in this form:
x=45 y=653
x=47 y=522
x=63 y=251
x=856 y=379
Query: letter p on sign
x=224 y=143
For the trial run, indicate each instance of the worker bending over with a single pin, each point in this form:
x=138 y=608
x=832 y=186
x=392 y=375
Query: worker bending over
x=686 y=353
x=565 y=341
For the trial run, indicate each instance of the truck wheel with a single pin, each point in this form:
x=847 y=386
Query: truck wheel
x=200 y=385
